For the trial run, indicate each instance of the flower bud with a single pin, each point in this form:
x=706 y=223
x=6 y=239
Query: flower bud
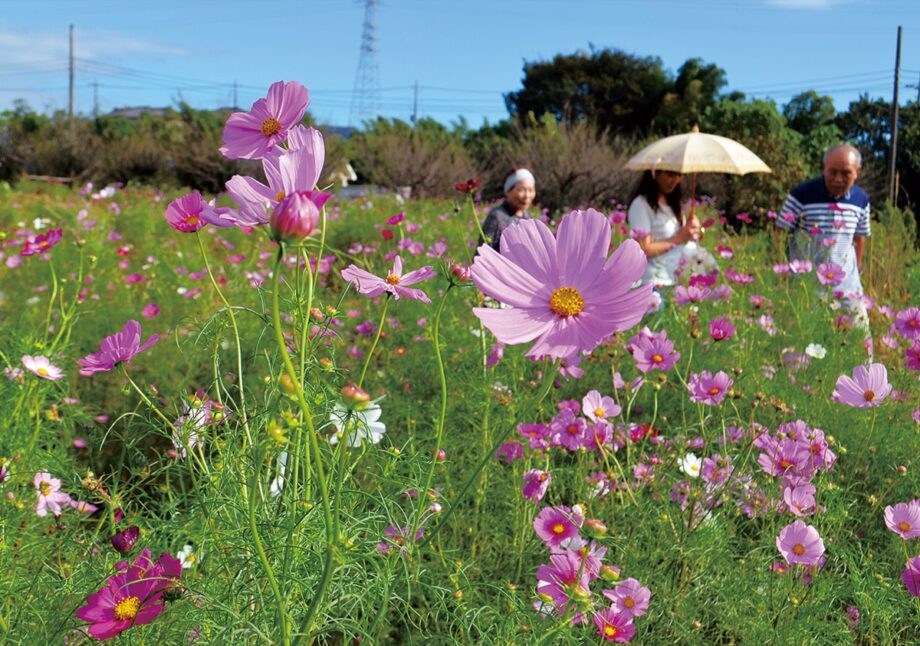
x=595 y=528
x=125 y=540
x=441 y=455
x=355 y=396
x=460 y=272
x=610 y=573
x=294 y=218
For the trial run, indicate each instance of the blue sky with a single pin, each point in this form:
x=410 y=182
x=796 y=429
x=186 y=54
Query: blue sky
x=463 y=55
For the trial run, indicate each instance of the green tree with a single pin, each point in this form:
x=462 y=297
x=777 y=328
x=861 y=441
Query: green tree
x=812 y=116
x=696 y=88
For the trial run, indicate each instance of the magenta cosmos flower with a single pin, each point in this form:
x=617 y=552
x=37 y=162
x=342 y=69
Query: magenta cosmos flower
x=800 y=543
x=653 y=351
x=133 y=597
x=706 y=388
x=630 y=598
x=867 y=388
x=614 y=626
x=721 y=329
x=190 y=213
x=41 y=243
x=558 y=583
x=50 y=496
x=904 y=519
x=555 y=525
x=830 y=274
x=563 y=292
x=911 y=576
x=42 y=367
x=113 y=350
x=907 y=323
x=395 y=283
x=536 y=483
x=254 y=134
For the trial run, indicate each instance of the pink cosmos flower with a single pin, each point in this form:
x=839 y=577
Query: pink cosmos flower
x=558 y=583
x=41 y=243
x=721 y=329
x=630 y=598
x=907 y=323
x=904 y=519
x=800 y=543
x=709 y=389
x=254 y=134
x=118 y=348
x=614 y=626
x=555 y=525
x=150 y=310
x=653 y=351
x=911 y=576
x=296 y=169
x=568 y=430
x=800 y=500
x=830 y=274
x=563 y=292
x=598 y=408
x=867 y=388
x=190 y=213
x=536 y=483
x=395 y=282
x=50 y=496
x=42 y=367
x=133 y=597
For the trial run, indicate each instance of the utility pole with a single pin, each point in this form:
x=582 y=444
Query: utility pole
x=95 y=98
x=70 y=102
x=893 y=152
x=415 y=105
x=235 y=100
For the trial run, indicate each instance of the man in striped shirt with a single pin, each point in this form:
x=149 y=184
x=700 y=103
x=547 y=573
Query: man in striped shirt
x=829 y=219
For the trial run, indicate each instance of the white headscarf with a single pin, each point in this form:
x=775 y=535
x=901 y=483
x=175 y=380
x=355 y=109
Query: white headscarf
x=518 y=176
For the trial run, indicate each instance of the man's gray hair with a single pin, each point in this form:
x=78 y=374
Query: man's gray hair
x=849 y=147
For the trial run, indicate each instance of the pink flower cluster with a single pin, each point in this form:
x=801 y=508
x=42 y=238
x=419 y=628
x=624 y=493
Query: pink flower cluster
x=51 y=498
x=564 y=584
x=904 y=520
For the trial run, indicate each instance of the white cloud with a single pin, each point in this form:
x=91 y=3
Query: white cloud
x=26 y=46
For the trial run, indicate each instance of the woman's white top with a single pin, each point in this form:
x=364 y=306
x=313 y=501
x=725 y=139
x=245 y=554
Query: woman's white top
x=660 y=225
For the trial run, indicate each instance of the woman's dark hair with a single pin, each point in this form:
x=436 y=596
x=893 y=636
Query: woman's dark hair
x=648 y=188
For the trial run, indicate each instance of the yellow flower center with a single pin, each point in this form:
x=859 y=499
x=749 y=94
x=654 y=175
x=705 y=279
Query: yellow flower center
x=42 y=371
x=869 y=396
x=798 y=549
x=599 y=412
x=45 y=488
x=611 y=631
x=566 y=301
x=657 y=358
x=280 y=195
x=271 y=126
x=830 y=275
x=912 y=324
x=572 y=429
x=542 y=477
x=714 y=390
x=558 y=528
x=629 y=602
x=127 y=608
x=192 y=219
x=904 y=526
x=392 y=279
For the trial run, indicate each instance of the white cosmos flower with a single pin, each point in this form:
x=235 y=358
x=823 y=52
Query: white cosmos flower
x=188 y=557
x=277 y=484
x=357 y=425
x=691 y=465
x=816 y=351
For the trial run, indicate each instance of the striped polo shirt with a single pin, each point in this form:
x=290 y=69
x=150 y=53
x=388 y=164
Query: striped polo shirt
x=824 y=227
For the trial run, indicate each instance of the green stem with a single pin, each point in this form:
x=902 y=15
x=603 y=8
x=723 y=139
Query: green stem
x=370 y=353
x=548 y=384
x=314 y=444
x=236 y=336
x=439 y=429
x=54 y=291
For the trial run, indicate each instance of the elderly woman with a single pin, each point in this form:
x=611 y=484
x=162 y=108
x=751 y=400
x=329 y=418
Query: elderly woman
x=520 y=191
